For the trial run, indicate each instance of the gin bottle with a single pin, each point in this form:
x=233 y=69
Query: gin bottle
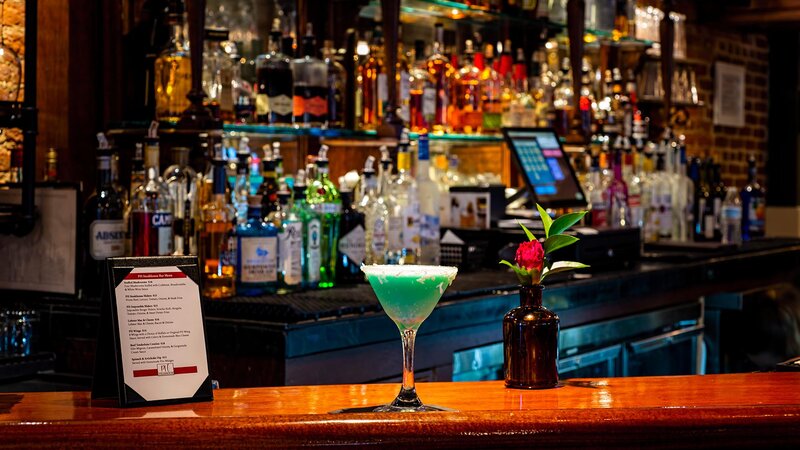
x=182 y=184
x=323 y=198
x=290 y=243
x=217 y=246
x=312 y=233
x=376 y=216
x=256 y=253
x=352 y=240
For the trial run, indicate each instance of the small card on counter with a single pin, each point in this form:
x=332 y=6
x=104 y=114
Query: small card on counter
x=152 y=345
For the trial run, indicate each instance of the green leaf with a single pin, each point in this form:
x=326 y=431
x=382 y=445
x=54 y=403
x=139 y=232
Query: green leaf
x=558 y=241
x=508 y=264
x=546 y=220
x=563 y=223
x=528 y=233
x=563 y=266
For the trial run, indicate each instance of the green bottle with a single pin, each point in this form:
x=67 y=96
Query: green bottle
x=324 y=199
x=312 y=234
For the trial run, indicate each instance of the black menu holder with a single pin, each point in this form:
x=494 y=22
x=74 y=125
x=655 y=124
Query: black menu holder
x=110 y=381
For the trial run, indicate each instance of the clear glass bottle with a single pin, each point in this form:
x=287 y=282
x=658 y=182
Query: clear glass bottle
x=352 y=240
x=732 y=217
x=290 y=242
x=704 y=205
x=467 y=115
x=216 y=244
x=442 y=71
x=256 y=253
x=274 y=83
x=492 y=85
x=422 y=93
x=618 y=213
x=428 y=194
x=310 y=85
x=753 y=203
x=406 y=207
x=597 y=194
x=312 y=233
x=218 y=73
x=337 y=81
x=241 y=183
x=268 y=189
x=172 y=69
x=137 y=168
x=324 y=199
x=151 y=209
x=376 y=216
x=182 y=183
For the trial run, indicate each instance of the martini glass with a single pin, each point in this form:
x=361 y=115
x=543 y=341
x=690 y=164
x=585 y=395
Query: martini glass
x=408 y=294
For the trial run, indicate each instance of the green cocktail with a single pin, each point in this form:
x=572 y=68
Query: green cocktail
x=408 y=294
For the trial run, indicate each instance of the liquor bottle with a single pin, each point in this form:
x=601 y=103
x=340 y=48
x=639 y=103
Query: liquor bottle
x=562 y=100
x=137 y=168
x=151 y=208
x=274 y=83
x=218 y=74
x=337 y=81
x=312 y=233
x=491 y=93
x=467 y=115
x=521 y=110
x=597 y=193
x=422 y=86
x=718 y=192
x=428 y=206
x=618 y=212
x=352 y=240
x=310 y=85
x=662 y=199
x=173 y=72
x=290 y=242
x=50 y=172
x=121 y=190
x=684 y=194
x=753 y=204
x=256 y=253
x=376 y=216
x=216 y=243
x=268 y=190
x=442 y=71
x=407 y=207
x=731 y=217
x=373 y=83
x=704 y=206
x=104 y=219
x=182 y=183
x=635 y=181
x=403 y=82
x=324 y=199
x=241 y=183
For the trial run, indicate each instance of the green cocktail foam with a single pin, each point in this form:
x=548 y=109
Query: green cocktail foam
x=409 y=293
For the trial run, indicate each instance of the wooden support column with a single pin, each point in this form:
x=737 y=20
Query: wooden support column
x=392 y=124
x=667 y=36
x=576 y=12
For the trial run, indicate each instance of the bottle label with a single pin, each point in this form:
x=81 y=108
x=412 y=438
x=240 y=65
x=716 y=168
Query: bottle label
x=353 y=246
x=429 y=102
x=228 y=255
x=732 y=212
x=756 y=212
x=226 y=91
x=280 y=104
x=429 y=228
x=708 y=226
x=598 y=215
x=411 y=239
x=330 y=208
x=163 y=223
x=394 y=235
x=290 y=242
x=383 y=88
x=262 y=104
x=106 y=239
x=316 y=106
x=717 y=212
x=313 y=249
x=405 y=86
x=378 y=238
x=665 y=222
x=258 y=257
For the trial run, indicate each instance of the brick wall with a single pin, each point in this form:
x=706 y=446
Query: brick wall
x=13 y=30
x=729 y=146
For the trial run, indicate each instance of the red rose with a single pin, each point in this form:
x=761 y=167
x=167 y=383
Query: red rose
x=530 y=255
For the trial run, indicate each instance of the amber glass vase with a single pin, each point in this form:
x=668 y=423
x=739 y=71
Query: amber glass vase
x=530 y=342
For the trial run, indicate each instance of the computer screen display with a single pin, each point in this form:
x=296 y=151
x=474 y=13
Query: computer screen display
x=545 y=167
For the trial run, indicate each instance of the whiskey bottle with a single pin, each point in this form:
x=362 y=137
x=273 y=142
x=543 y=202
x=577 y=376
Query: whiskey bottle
x=467 y=115
x=373 y=83
x=182 y=183
x=337 y=81
x=310 y=85
x=105 y=226
x=256 y=253
x=216 y=244
x=422 y=93
x=274 y=83
x=151 y=208
x=173 y=72
x=442 y=71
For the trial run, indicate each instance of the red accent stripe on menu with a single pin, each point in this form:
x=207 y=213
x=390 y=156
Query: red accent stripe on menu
x=154 y=275
x=188 y=369
x=145 y=373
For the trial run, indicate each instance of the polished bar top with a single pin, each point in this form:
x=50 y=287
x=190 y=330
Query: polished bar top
x=687 y=411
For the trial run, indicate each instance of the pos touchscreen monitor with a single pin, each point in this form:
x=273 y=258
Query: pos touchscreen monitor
x=545 y=167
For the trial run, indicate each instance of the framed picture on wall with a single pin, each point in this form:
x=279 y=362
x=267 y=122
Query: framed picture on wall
x=728 y=94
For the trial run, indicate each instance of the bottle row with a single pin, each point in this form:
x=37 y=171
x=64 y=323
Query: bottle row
x=656 y=188
x=271 y=233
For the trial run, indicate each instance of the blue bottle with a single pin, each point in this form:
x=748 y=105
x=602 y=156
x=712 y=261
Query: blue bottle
x=753 y=204
x=257 y=253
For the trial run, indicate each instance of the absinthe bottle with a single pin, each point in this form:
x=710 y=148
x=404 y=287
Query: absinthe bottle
x=428 y=205
x=323 y=198
x=290 y=242
x=376 y=216
x=105 y=225
x=312 y=233
x=404 y=192
x=352 y=239
x=256 y=253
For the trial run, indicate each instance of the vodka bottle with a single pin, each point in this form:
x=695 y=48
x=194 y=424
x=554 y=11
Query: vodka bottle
x=376 y=216
x=406 y=210
x=428 y=205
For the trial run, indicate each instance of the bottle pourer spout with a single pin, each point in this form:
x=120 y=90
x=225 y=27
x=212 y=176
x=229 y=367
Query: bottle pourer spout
x=323 y=154
x=102 y=142
x=369 y=164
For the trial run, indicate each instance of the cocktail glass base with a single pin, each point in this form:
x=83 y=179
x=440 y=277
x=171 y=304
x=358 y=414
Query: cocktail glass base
x=403 y=409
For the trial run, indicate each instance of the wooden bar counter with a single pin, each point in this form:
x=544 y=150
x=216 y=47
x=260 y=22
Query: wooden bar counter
x=743 y=410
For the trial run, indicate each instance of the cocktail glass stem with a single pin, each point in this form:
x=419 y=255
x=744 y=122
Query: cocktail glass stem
x=407 y=398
